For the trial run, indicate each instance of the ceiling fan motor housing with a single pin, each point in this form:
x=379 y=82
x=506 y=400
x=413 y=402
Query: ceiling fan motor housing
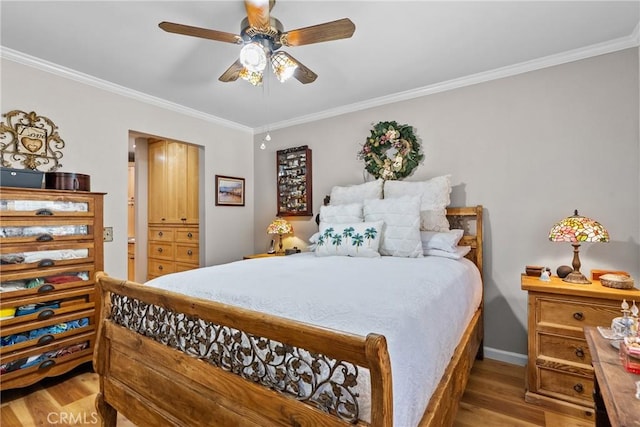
x=267 y=37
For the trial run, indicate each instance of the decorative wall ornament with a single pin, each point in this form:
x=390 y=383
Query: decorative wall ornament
x=392 y=151
x=30 y=141
x=326 y=383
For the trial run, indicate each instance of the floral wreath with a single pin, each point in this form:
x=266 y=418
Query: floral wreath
x=391 y=152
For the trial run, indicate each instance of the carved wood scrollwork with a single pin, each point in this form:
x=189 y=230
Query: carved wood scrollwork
x=30 y=140
x=326 y=383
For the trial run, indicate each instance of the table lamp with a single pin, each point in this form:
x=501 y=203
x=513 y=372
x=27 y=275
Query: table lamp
x=280 y=226
x=577 y=229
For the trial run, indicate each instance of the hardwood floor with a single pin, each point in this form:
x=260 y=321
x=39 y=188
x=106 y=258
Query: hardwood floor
x=494 y=397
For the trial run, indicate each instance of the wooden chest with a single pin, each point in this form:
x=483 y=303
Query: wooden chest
x=51 y=248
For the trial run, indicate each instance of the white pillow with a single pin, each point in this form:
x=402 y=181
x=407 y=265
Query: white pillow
x=434 y=199
x=358 y=239
x=356 y=193
x=459 y=253
x=401 y=230
x=442 y=240
x=341 y=214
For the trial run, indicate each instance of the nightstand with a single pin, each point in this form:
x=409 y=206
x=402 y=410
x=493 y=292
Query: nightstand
x=264 y=255
x=559 y=371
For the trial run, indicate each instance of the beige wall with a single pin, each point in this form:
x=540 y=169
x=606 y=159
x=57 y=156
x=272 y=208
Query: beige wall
x=531 y=148
x=96 y=125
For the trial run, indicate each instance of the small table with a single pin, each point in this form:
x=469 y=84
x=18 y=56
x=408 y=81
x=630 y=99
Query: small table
x=615 y=388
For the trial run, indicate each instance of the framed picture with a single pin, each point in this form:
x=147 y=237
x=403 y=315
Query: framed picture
x=229 y=191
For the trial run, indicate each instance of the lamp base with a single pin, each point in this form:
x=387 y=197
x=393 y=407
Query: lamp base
x=577 y=278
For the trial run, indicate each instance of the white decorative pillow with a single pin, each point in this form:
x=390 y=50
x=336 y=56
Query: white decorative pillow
x=442 y=240
x=401 y=230
x=341 y=214
x=459 y=253
x=358 y=239
x=356 y=193
x=434 y=199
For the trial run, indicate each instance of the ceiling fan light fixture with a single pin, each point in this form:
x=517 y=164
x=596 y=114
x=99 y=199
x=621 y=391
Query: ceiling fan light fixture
x=253 y=77
x=253 y=57
x=283 y=67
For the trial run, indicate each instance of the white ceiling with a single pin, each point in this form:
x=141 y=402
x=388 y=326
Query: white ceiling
x=399 y=49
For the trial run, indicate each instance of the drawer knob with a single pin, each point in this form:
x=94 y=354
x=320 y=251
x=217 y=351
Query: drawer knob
x=580 y=352
x=160 y=233
x=44 y=237
x=44 y=212
x=189 y=235
x=45 y=314
x=46 y=263
x=47 y=364
x=579 y=388
x=184 y=219
x=160 y=267
x=46 y=339
x=578 y=315
x=47 y=287
x=160 y=250
x=189 y=252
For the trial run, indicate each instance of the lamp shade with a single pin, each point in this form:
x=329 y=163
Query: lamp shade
x=280 y=226
x=577 y=229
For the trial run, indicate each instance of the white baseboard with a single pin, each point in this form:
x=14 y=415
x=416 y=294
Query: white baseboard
x=505 y=356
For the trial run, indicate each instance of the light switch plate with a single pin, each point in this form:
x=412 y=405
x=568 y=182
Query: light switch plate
x=107 y=234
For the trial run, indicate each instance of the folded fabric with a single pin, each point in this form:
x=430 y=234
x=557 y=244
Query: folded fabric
x=442 y=240
x=460 y=252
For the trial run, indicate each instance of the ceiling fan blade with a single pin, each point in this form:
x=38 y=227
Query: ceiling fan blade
x=203 y=33
x=302 y=73
x=334 y=30
x=232 y=73
x=258 y=13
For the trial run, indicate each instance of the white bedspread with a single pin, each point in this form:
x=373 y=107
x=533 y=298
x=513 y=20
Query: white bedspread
x=421 y=306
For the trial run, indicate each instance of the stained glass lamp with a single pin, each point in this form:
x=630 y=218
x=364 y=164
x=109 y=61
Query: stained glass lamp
x=577 y=229
x=280 y=226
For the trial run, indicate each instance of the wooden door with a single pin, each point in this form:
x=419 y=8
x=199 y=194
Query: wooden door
x=176 y=182
x=157 y=200
x=192 y=207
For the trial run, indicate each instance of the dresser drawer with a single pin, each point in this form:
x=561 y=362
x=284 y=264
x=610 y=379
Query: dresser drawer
x=160 y=267
x=46 y=230
x=559 y=347
x=39 y=205
x=44 y=281
x=187 y=253
x=161 y=234
x=185 y=235
x=161 y=250
x=575 y=388
x=46 y=357
x=35 y=256
x=573 y=314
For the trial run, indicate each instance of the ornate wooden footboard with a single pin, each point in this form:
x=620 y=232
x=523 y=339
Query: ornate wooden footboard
x=168 y=359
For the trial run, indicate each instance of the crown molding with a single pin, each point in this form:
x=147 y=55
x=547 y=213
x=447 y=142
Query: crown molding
x=632 y=40
x=50 y=67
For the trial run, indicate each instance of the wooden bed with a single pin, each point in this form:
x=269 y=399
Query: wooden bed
x=151 y=383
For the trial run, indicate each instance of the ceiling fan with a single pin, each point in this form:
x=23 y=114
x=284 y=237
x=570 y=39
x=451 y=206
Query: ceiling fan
x=261 y=36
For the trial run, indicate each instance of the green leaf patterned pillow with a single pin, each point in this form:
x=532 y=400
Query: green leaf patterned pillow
x=357 y=239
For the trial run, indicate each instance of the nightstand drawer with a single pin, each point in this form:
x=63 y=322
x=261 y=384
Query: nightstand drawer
x=573 y=315
x=570 y=387
x=570 y=349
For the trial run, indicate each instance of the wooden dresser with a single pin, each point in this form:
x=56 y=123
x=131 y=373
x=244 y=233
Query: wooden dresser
x=173 y=205
x=559 y=371
x=51 y=247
